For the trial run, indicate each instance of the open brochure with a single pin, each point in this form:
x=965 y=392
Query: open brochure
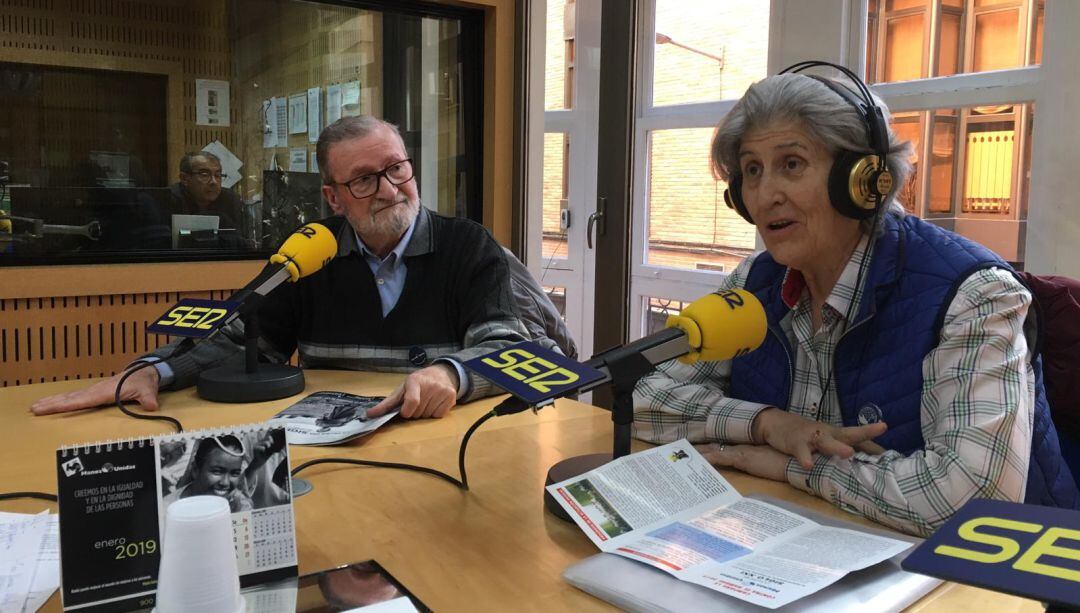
x=328 y=418
x=669 y=508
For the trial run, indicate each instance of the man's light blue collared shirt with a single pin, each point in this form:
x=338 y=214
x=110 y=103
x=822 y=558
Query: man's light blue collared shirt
x=389 y=272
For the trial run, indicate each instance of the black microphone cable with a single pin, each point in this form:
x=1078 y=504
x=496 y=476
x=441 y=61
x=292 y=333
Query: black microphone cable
x=507 y=407
x=184 y=345
x=37 y=495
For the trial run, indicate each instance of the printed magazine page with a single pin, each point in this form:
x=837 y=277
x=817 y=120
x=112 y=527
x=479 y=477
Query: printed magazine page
x=329 y=418
x=669 y=508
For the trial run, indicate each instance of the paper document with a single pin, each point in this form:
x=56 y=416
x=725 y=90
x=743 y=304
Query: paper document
x=397 y=605
x=328 y=418
x=230 y=164
x=298 y=113
x=314 y=115
x=281 y=121
x=333 y=103
x=350 y=98
x=298 y=159
x=669 y=508
x=29 y=561
x=211 y=102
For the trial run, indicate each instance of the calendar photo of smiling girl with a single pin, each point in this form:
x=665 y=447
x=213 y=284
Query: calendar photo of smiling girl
x=248 y=467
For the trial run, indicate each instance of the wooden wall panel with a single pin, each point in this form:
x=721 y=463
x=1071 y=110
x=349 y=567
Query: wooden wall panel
x=74 y=322
x=61 y=338
x=185 y=38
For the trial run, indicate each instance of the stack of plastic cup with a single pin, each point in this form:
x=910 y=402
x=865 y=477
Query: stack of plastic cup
x=198 y=560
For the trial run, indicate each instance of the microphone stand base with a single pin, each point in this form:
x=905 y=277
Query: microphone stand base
x=568 y=469
x=300 y=487
x=233 y=384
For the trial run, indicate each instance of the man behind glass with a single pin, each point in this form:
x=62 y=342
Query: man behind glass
x=199 y=191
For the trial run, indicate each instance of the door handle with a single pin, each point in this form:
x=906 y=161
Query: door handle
x=594 y=218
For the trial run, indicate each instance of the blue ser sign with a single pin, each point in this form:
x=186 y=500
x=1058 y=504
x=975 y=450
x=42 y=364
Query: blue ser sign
x=533 y=373
x=1021 y=549
x=194 y=318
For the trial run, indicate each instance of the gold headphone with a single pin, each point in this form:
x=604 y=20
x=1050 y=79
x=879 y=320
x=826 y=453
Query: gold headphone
x=858 y=182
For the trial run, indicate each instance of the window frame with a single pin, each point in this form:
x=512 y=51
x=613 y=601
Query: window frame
x=978 y=82
x=650 y=280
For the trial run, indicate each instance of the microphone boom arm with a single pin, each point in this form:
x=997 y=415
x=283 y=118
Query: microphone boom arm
x=668 y=344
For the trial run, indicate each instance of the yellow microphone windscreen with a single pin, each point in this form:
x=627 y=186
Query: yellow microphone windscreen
x=721 y=325
x=307 y=250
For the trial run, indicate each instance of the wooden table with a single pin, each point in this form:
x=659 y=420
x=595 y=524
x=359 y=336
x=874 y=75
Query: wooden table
x=492 y=548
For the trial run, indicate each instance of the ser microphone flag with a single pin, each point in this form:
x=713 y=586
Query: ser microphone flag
x=532 y=373
x=718 y=326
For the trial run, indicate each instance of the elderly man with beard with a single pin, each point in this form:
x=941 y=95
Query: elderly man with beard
x=410 y=291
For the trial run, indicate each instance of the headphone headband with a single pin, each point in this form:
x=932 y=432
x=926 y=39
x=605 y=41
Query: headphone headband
x=876 y=131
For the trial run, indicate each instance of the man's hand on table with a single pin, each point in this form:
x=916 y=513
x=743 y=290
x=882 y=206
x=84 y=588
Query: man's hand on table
x=428 y=392
x=142 y=387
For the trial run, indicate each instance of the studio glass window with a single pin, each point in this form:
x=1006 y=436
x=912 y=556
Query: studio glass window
x=103 y=100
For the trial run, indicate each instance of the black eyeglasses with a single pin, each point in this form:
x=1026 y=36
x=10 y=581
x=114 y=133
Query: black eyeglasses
x=206 y=176
x=366 y=185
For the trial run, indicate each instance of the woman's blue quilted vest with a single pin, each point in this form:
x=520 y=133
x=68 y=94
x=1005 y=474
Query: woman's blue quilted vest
x=911 y=280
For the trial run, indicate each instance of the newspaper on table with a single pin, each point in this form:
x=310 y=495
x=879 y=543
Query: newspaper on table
x=669 y=508
x=329 y=418
x=29 y=560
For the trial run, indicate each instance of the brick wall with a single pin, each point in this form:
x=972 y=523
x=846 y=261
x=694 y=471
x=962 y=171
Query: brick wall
x=689 y=225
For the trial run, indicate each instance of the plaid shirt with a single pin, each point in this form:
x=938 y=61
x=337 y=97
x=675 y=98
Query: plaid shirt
x=978 y=398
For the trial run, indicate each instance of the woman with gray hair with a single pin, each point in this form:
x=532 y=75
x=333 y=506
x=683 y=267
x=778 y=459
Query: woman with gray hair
x=897 y=378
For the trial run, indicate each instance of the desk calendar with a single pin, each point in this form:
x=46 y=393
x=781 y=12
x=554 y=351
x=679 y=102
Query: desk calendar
x=113 y=497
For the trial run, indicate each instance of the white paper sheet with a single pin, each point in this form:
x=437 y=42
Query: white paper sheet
x=298 y=159
x=29 y=560
x=211 y=102
x=281 y=124
x=314 y=118
x=350 y=98
x=230 y=164
x=333 y=103
x=397 y=605
x=298 y=114
x=47 y=573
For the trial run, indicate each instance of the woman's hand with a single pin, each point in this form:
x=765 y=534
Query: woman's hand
x=758 y=460
x=801 y=438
